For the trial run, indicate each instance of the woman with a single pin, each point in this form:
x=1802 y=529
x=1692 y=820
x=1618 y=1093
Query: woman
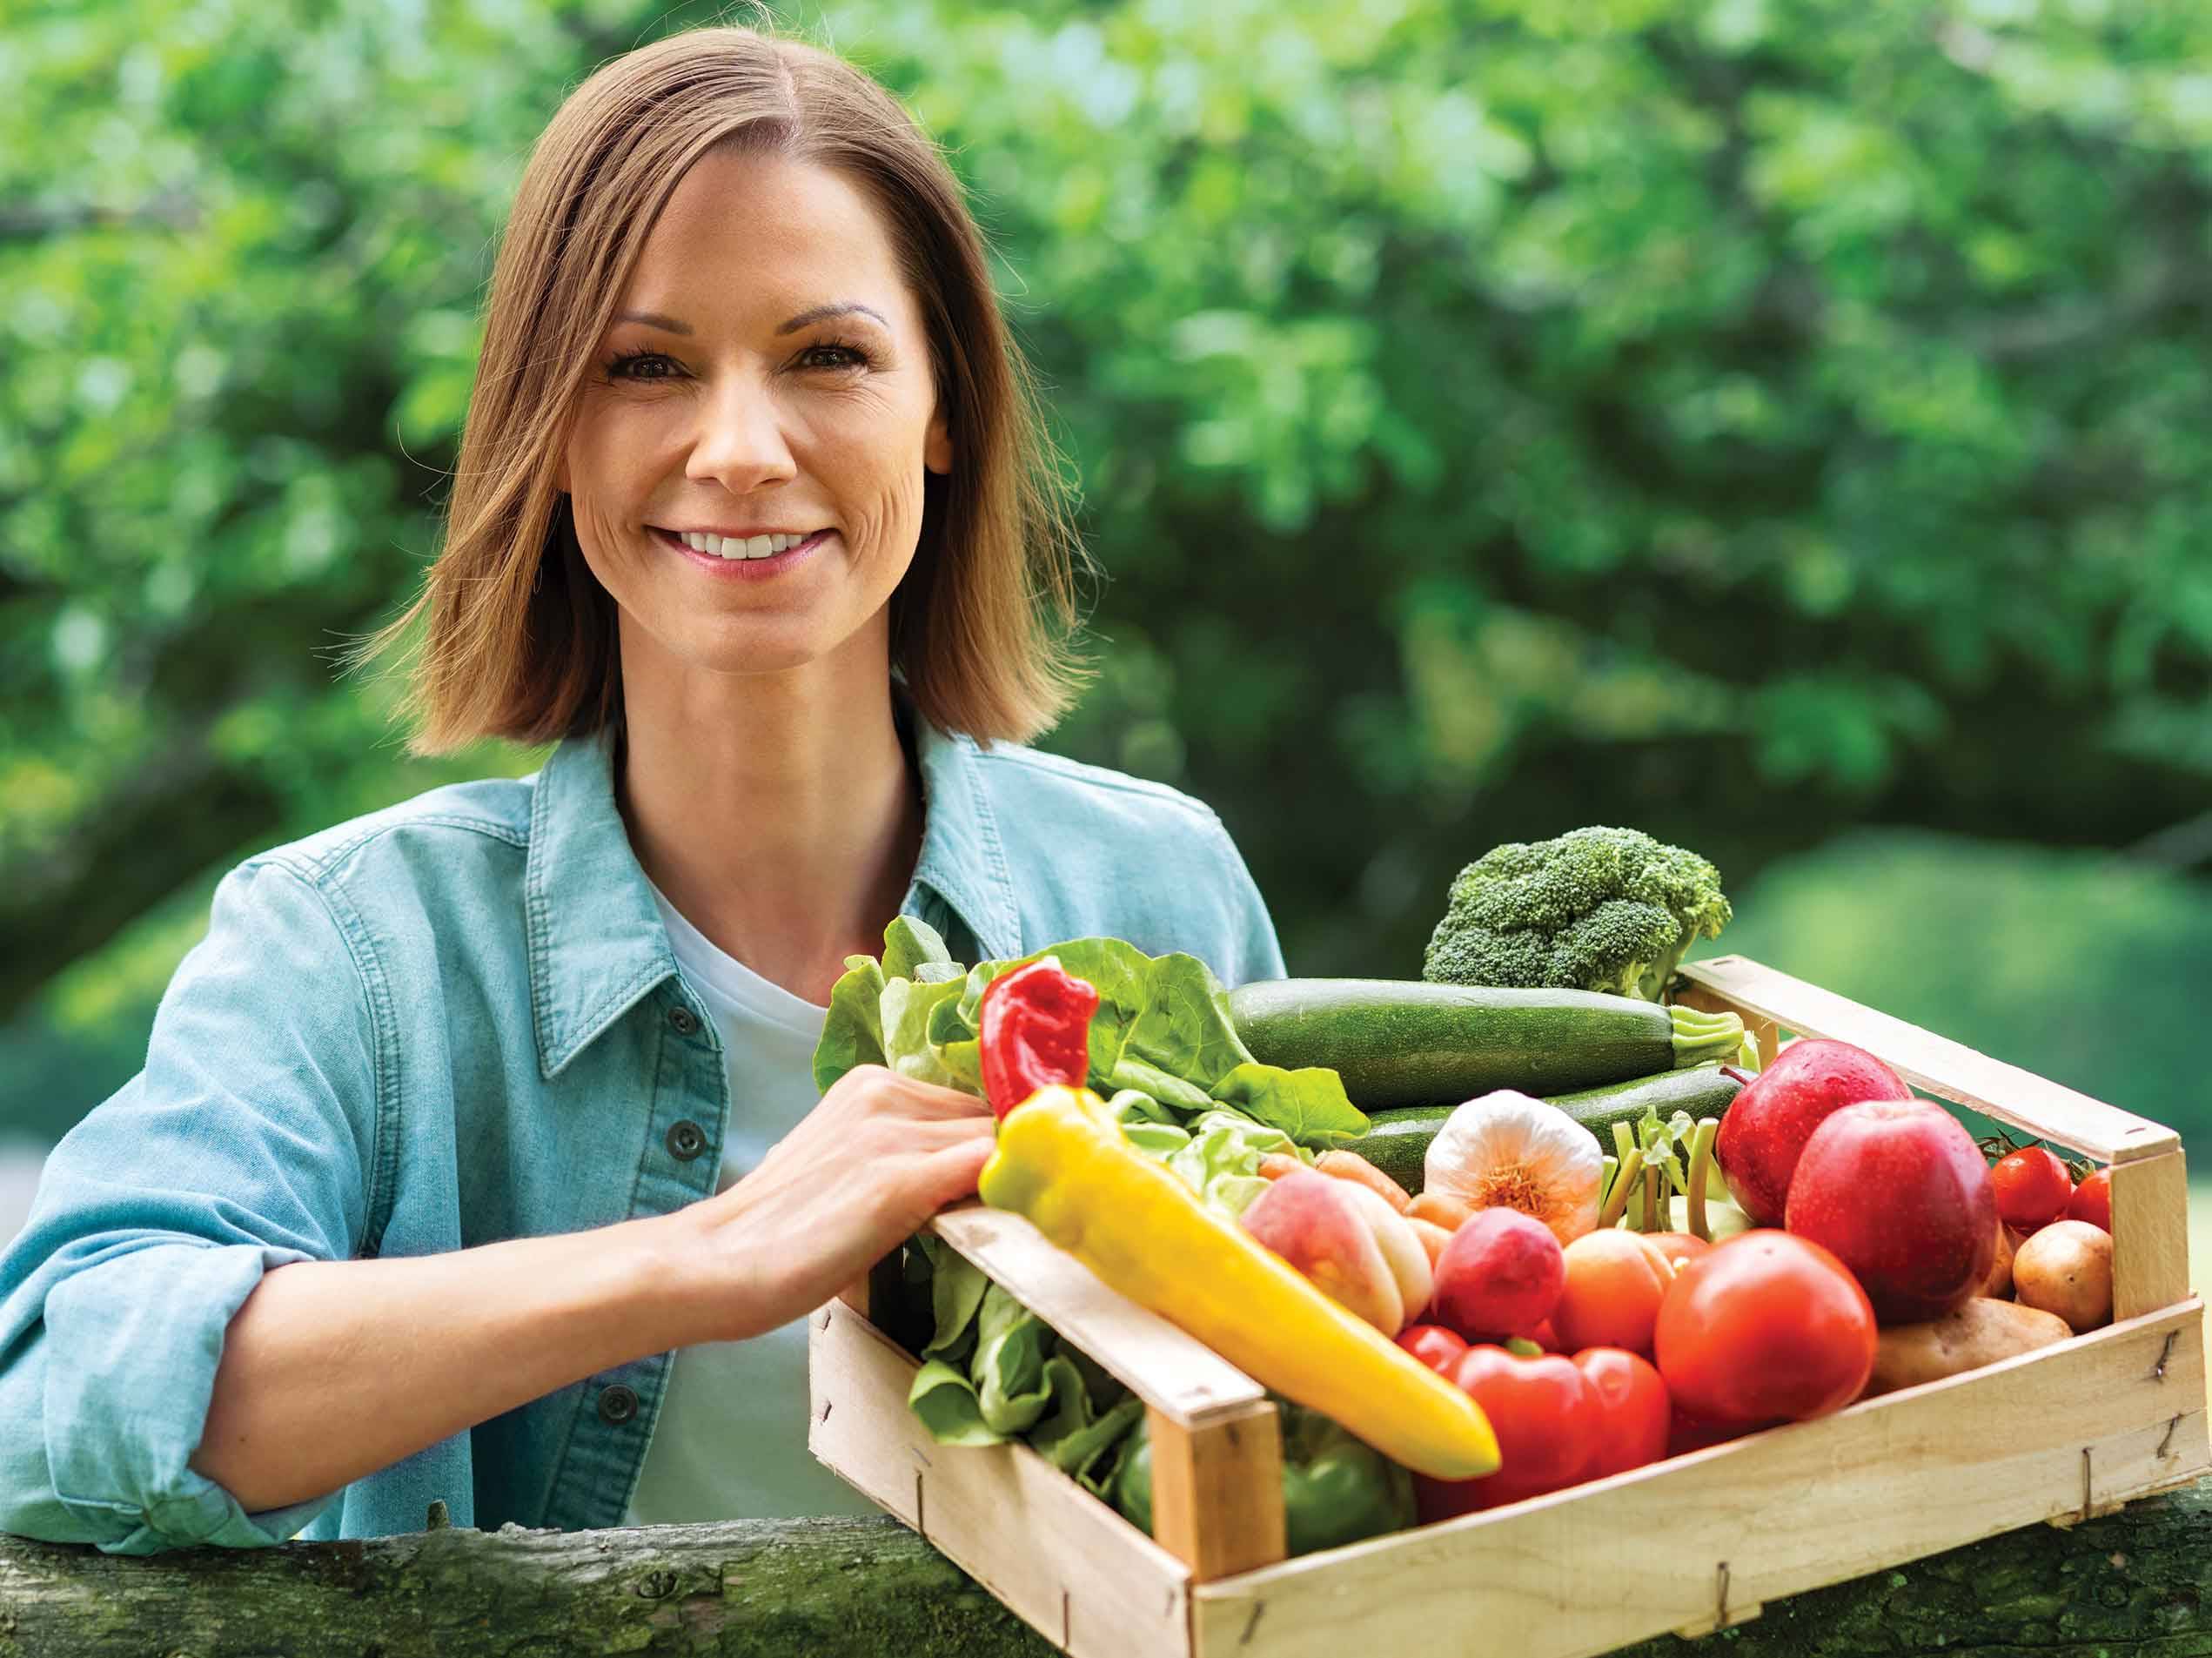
x=477 y=1155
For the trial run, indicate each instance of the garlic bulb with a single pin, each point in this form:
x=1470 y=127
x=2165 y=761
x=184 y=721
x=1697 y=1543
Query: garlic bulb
x=1506 y=1150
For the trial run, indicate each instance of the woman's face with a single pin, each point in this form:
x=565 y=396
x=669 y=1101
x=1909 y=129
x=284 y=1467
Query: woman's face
x=720 y=402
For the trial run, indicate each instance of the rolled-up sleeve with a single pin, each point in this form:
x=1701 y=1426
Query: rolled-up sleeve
x=246 y=1144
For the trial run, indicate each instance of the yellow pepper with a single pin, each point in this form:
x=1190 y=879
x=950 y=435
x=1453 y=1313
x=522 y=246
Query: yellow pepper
x=1062 y=1162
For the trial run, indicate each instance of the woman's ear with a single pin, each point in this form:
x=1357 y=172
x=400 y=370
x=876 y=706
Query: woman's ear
x=937 y=454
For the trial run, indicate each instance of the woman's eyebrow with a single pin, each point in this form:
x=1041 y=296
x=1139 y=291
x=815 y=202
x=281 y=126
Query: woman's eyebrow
x=805 y=319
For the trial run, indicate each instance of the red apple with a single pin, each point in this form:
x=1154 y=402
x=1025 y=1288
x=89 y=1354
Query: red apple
x=1768 y=1124
x=1898 y=1192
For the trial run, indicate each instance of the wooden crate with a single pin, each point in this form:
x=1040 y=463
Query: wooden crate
x=1690 y=1545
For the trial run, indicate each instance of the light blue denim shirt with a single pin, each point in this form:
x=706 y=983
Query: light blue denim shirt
x=449 y=1022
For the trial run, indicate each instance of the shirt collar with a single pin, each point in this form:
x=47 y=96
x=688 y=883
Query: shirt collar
x=596 y=942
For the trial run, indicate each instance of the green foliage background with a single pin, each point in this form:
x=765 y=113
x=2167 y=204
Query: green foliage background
x=1760 y=422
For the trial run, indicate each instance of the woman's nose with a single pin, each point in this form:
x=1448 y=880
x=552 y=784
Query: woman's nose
x=739 y=440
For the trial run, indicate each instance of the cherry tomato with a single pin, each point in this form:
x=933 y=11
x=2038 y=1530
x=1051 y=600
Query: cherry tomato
x=1615 y=1282
x=2033 y=1187
x=1434 y=1345
x=1547 y=1420
x=1635 y=1414
x=2091 y=1200
x=1768 y=1327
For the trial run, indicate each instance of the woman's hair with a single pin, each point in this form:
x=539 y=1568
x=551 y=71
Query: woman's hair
x=520 y=639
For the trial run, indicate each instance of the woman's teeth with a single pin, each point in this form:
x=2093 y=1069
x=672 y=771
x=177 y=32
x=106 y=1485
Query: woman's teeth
x=760 y=547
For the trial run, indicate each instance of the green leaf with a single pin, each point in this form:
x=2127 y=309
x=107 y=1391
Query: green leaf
x=907 y=943
x=1309 y=1104
x=1185 y=1027
x=852 y=1031
x=906 y=1007
x=946 y=1401
x=956 y=1287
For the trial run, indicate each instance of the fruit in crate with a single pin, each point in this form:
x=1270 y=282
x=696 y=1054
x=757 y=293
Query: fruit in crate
x=1768 y=1124
x=1349 y=1241
x=2091 y=1200
x=1766 y=1327
x=1615 y=1282
x=1898 y=1190
x=2033 y=1187
x=1500 y=1275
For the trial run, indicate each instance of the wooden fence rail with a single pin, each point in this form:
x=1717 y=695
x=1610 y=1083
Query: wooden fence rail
x=2137 y=1581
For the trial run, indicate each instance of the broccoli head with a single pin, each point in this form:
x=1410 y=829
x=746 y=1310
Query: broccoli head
x=1596 y=908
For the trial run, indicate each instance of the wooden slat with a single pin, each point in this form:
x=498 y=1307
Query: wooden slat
x=1068 y=1565
x=1943 y=1067
x=1911 y=1473
x=2150 y=1235
x=1182 y=1378
x=1217 y=1492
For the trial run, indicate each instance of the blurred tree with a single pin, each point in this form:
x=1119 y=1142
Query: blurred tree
x=1739 y=418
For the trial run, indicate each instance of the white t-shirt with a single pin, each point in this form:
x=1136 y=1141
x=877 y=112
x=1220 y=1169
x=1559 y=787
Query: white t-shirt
x=730 y=1442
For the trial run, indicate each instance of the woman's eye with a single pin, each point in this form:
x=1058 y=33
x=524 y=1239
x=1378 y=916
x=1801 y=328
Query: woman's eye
x=853 y=355
x=633 y=365
x=627 y=366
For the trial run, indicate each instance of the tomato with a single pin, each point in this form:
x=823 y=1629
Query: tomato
x=1434 y=1345
x=1678 y=1246
x=2033 y=1187
x=1615 y=1281
x=1635 y=1414
x=2091 y=1200
x=1768 y=1327
x=1547 y=1420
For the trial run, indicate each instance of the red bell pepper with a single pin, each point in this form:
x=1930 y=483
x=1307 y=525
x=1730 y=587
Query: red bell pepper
x=1033 y=1029
x=1548 y=1420
x=1634 y=1409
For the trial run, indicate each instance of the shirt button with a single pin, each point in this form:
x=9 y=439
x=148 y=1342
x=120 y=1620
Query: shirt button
x=618 y=1404
x=682 y=1020
x=685 y=1140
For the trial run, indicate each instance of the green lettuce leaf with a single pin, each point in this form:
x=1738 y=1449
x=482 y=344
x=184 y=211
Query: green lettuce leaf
x=852 y=1033
x=907 y=1005
x=1309 y=1104
x=909 y=943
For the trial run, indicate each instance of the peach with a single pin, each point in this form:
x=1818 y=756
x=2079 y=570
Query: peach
x=1356 y=1249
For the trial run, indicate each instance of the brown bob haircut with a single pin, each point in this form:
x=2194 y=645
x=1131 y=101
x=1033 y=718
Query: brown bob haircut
x=520 y=639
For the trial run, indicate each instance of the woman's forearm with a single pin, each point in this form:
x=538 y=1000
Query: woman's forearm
x=332 y=1370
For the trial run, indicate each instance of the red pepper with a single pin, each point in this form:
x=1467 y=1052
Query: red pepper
x=1033 y=1029
x=1548 y=1421
x=1633 y=1409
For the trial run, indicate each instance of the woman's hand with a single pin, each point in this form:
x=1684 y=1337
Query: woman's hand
x=861 y=1173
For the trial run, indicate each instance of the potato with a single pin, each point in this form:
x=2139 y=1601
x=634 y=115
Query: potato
x=1999 y=1284
x=1980 y=1332
x=2067 y=1268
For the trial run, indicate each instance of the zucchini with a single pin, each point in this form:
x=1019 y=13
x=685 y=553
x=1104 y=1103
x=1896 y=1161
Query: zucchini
x=1401 y=1042
x=1397 y=1141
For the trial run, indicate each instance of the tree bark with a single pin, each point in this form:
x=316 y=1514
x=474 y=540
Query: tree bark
x=870 y=1588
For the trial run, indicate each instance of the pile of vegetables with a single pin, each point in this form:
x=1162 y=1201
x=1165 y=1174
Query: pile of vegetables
x=1518 y=1273
x=1142 y=1123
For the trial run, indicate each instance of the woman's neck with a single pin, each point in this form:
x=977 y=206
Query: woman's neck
x=778 y=812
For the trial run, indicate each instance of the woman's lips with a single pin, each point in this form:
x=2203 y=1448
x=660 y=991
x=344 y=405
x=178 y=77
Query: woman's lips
x=746 y=569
